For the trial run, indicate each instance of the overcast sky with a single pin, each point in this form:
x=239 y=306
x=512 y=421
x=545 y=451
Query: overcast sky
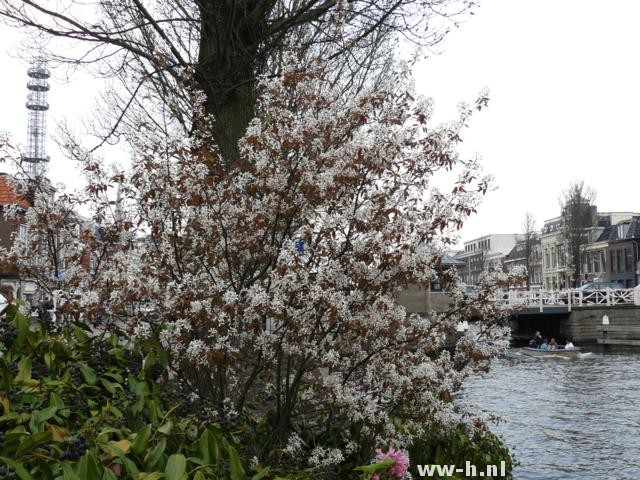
x=564 y=78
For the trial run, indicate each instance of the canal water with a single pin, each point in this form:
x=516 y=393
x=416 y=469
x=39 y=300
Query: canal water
x=566 y=419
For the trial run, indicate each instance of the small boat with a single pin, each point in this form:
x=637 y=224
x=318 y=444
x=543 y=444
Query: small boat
x=558 y=352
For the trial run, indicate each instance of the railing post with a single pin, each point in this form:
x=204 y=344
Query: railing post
x=580 y=297
x=608 y=296
x=541 y=304
x=636 y=295
x=569 y=294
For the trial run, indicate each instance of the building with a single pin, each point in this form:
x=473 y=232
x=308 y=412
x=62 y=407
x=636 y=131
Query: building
x=554 y=255
x=517 y=257
x=614 y=255
x=485 y=253
x=9 y=229
x=557 y=273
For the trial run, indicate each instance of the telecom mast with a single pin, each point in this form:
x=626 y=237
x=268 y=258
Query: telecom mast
x=37 y=106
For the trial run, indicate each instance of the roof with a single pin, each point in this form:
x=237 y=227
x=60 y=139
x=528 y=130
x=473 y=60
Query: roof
x=449 y=260
x=613 y=233
x=8 y=194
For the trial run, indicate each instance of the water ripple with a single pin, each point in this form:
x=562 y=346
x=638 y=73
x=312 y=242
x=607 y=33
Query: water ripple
x=566 y=419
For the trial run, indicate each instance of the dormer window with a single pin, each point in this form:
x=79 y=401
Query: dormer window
x=623 y=229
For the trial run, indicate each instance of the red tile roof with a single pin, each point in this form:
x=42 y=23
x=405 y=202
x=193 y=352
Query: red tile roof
x=8 y=194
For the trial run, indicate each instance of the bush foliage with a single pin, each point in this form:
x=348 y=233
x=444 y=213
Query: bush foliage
x=81 y=404
x=84 y=405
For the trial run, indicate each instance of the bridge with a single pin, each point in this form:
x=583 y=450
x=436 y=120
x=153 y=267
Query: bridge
x=575 y=314
x=560 y=301
x=606 y=317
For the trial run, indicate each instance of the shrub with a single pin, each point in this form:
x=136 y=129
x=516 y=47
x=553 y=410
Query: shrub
x=480 y=448
x=78 y=404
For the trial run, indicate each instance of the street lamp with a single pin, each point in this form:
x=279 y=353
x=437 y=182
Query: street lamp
x=605 y=322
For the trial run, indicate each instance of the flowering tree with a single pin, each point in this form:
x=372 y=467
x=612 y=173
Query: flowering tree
x=272 y=285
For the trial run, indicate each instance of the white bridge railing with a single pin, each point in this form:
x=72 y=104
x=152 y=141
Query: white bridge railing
x=568 y=298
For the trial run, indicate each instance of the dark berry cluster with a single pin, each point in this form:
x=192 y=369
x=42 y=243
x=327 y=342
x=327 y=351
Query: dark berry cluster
x=6 y=474
x=100 y=359
x=132 y=362
x=74 y=449
x=155 y=372
x=185 y=405
x=8 y=334
x=46 y=320
x=76 y=375
x=229 y=422
x=39 y=371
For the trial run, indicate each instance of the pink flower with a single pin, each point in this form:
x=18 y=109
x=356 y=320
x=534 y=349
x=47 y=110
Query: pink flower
x=400 y=465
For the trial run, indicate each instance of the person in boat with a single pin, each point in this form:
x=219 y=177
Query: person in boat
x=553 y=345
x=569 y=345
x=536 y=341
x=544 y=345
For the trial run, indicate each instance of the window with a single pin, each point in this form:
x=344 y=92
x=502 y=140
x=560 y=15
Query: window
x=623 y=229
x=628 y=260
x=612 y=260
x=586 y=263
x=22 y=231
x=619 y=261
x=561 y=256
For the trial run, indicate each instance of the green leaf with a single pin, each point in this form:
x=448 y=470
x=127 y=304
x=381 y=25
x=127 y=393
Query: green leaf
x=115 y=376
x=203 y=446
x=154 y=456
x=68 y=473
x=88 y=466
x=31 y=442
x=49 y=358
x=131 y=468
x=235 y=464
x=375 y=467
x=151 y=476
x=80 y=333
x=199 y=476
x=110 y=386
x=141 y=442
x=57 y=401
x=108 y=474
x=45 y=414
x=22 y=323
x=88 y=374
x=176 y=467
x=262 y=472
x=166 y=428
x=213 y=440
x=19 y=469
x=24 y=370
x=22 y=472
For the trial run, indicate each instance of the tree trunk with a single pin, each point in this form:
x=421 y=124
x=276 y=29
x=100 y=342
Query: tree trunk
x=227 y=64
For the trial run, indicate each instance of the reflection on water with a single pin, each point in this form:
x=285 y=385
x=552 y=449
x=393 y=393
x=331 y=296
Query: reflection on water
x=566 y=419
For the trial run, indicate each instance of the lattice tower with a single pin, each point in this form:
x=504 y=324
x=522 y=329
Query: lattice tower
x=38 y=85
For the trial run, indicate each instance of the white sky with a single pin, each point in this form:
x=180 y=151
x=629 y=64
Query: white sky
x=564 y=78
